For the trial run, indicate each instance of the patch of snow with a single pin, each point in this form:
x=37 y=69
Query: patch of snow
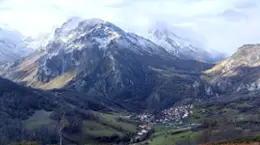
x=11 y=46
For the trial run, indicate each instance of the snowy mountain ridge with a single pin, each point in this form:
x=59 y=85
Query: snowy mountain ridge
x=181 y=47
x=76 y=34
x=102 y=60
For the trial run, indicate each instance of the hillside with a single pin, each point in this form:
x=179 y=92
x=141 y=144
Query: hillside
x=25 y=111
x=17 y=104
x=239 y=72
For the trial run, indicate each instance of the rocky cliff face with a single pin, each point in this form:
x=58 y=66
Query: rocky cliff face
x=103 y=61
x=240 y=72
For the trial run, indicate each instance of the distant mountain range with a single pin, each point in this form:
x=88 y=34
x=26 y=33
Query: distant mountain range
x=102 y=60
x=15 y=46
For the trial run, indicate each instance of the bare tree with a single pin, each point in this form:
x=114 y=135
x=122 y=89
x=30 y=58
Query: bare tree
x=63 y=124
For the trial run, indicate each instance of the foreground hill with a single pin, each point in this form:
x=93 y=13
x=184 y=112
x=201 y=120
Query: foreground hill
x=101 y=60
x=46 y=117
x=17 y=104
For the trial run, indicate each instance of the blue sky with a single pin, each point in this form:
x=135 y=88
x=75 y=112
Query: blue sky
x=223 y=25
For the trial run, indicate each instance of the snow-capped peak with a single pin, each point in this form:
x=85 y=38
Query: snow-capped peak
x=101 y=34
x=178 y=46
x=170 y=41
x=66 y=27
x=11 y=46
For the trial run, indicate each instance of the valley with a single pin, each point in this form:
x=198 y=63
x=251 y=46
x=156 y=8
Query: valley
x=93 y=83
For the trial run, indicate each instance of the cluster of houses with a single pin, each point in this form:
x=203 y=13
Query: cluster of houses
x=173 y=115
x=143 y=132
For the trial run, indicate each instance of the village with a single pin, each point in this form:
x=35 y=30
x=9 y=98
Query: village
x=173 y=116
x=170 y=116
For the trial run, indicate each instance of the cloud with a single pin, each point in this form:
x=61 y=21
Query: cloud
x=220 y=24
x=34 y=16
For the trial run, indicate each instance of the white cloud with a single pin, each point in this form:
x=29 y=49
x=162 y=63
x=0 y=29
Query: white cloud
x=34 y=16
x=221 y=24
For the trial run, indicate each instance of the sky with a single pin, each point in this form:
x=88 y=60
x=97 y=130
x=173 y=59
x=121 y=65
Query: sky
x=223 y=25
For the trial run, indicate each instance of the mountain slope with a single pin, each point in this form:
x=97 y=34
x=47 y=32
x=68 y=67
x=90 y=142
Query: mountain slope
x=240 y=72
x=11 y=48
x=29 y=114
x=103 y=61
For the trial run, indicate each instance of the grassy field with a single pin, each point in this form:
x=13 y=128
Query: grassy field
x=214 y=113
x=172 y=139
x=162 y=128
x=241 y=141
x=93 y=128
x=39 y=118
x=107 y=126
x=112 y=120
x=198 y=116
x=166 y=136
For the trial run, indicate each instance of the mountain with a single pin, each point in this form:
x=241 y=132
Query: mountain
x=11 y=48
x=91 y=73
x=36 y=43
x=181 y=47
x=240 y=72
x=103 y=61
x=235 y=81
